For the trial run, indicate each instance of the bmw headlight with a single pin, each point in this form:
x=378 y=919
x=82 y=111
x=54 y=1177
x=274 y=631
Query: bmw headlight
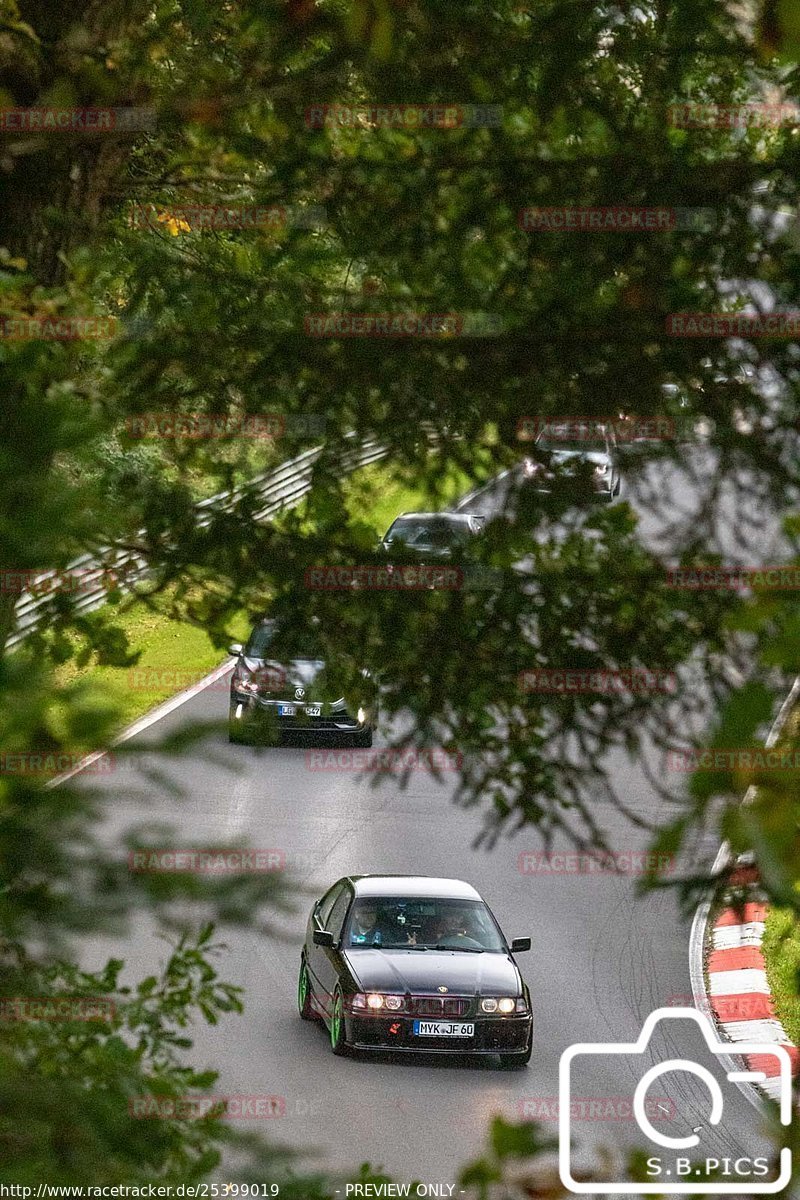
x=376 y=1001
x=601 y=469
x=502 y=1004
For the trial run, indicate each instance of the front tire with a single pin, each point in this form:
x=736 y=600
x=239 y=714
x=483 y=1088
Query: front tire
x=304 y=1003
x=338 y=1044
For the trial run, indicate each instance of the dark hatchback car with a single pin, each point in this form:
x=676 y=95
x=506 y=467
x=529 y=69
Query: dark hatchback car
x=272 y=695
x=439 y=535
x=575 y=466
x=412 y=964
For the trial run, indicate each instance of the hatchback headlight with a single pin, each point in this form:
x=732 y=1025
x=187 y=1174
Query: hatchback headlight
x=244 y=681
x=601 y=469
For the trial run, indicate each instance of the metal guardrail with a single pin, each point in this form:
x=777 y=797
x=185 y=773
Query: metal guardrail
x=278 y=490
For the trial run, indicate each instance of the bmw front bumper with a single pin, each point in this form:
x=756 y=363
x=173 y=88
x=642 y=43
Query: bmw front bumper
x=493 y=1035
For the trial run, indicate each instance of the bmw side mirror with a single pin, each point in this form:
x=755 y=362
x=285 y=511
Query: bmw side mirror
x=235 y=649
x=520 y=944
x=324 y=937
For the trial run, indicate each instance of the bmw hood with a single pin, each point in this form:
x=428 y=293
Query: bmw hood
x=424 y=971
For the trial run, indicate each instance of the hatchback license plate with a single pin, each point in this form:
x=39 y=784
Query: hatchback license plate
x=287 y=710
x=444 y=1029
x=314 y=710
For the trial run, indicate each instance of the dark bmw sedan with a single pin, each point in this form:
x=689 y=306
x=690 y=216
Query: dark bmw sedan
x=272 y=693
x=409 y=964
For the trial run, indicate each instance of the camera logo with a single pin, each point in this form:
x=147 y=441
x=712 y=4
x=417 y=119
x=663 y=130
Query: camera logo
x=674 y=1172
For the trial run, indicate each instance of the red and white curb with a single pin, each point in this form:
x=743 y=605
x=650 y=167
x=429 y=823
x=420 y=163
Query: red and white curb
x=728 y=954
x=738 y=992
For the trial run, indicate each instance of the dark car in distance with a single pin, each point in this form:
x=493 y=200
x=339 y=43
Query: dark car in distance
x=272 y=693
x=574 y=465
x=412 y=964
x=438 y=535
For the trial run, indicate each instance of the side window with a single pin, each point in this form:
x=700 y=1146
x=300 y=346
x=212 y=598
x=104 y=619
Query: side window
x=327 y=902
x=336 y=919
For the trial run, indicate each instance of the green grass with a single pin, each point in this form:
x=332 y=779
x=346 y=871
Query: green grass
x=781 y=948
x=375 y=494
x=175 y=653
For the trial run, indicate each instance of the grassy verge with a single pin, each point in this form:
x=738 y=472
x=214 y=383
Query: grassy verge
x=781 y=948
x=174 y=654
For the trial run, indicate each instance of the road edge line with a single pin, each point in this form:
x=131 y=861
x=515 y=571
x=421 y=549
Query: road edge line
x=156 y=714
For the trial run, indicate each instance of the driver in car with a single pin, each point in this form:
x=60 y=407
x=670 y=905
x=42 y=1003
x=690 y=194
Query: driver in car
x=365 y=930
x=453 y=925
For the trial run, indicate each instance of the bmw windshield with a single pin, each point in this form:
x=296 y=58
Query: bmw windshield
x=430 y=923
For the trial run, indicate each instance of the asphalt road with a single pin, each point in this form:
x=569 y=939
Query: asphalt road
x=602 y=959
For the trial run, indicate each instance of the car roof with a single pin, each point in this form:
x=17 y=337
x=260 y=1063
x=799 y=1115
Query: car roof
x=412 y=885
x=430 y=516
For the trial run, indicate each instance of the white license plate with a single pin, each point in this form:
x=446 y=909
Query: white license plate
x=444 y=1029
x=314 y=710
x=287 y=710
